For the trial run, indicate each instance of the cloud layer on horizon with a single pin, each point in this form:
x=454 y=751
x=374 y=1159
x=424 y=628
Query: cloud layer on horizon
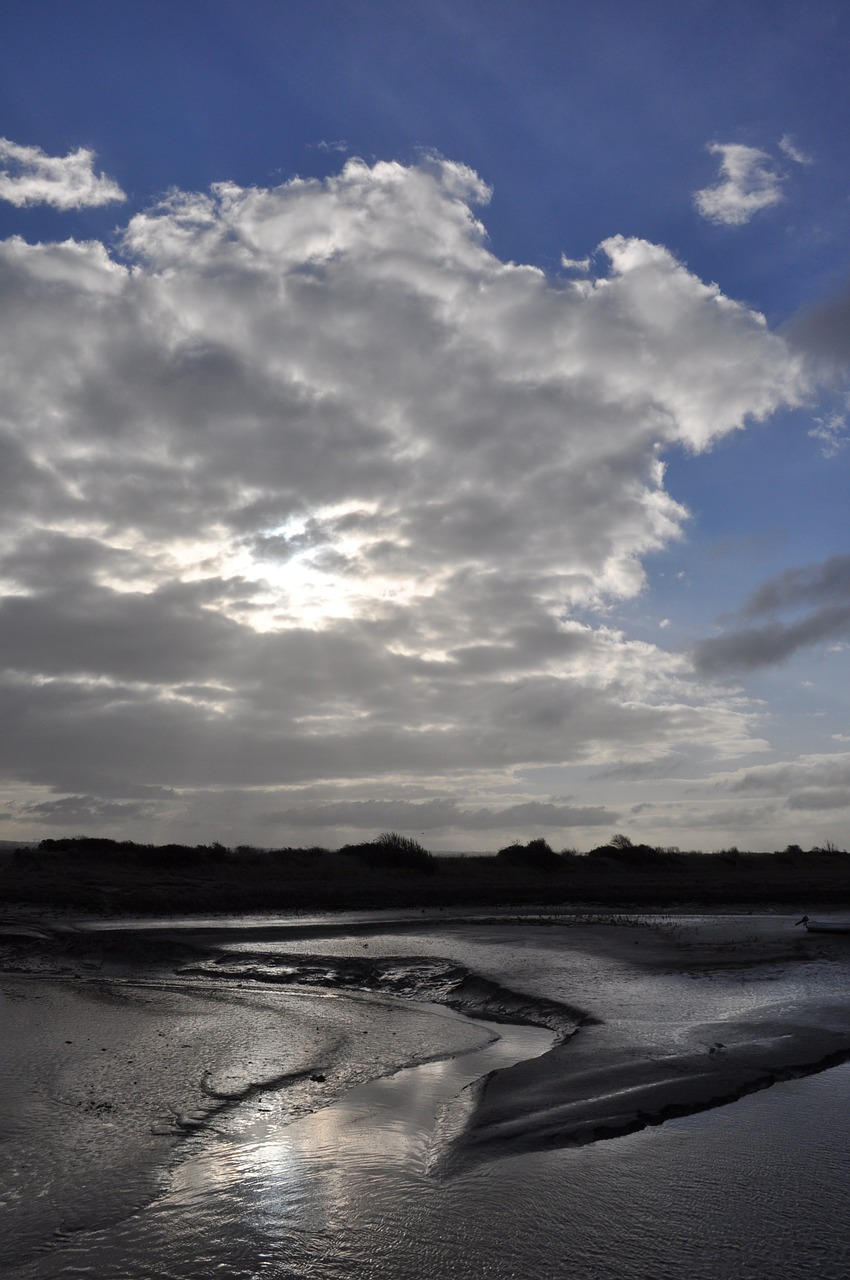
x=307 y=486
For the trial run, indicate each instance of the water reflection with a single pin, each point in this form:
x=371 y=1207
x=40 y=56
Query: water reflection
x=318 y=1174
x=729 y=1193
x=754 y=1190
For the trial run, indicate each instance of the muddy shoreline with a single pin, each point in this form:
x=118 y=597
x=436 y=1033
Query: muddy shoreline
x=593 y=1084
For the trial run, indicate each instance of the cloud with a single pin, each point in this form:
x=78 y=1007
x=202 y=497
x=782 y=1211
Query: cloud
x=575 y=264
x=749 y=182
x=822 y=590
x=824 y=583
x=435 y=815
x=764 y=646
x=30 y=176
x=822 y=332
x=810 y=783
x=75 y=812
x=831 y=431
x=309 y=485
x=820 y=798
x=793 y=152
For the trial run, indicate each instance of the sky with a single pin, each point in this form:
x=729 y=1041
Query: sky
x=425 y=416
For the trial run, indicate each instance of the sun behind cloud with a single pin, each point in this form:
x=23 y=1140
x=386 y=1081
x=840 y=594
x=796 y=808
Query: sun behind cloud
x=319 y=491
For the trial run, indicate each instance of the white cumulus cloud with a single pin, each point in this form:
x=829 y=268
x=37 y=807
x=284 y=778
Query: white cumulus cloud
x=310 y=487
x=749 y=181
x=29 y=176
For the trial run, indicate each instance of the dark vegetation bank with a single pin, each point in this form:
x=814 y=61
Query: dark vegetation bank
x=395 y=871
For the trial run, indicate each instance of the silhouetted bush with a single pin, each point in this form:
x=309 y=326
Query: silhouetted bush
x=87 y=846
x=732 y=854
x=627 y=854
x=537 y=855
x=829 y=851
x=390 y=850
x=619 y=841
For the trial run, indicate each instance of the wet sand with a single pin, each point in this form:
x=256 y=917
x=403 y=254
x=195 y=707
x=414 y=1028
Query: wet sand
x=611 y=1077
x=120 y=1045
x=110 y=1061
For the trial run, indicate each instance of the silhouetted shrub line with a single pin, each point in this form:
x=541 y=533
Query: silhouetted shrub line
x=99 y=874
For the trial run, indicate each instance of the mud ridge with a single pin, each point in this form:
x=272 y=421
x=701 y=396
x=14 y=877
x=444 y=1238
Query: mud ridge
x=411 y=977
x=560 y=1100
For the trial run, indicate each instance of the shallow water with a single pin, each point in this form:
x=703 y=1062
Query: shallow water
x=755 y=1189
x=266 y=1188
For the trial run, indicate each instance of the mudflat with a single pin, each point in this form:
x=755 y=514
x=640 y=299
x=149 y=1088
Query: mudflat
x=125 y=1040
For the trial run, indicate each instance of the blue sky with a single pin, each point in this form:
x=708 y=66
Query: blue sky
x=554 y=638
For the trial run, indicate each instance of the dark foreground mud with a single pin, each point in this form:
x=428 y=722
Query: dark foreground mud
x=587 y=1093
